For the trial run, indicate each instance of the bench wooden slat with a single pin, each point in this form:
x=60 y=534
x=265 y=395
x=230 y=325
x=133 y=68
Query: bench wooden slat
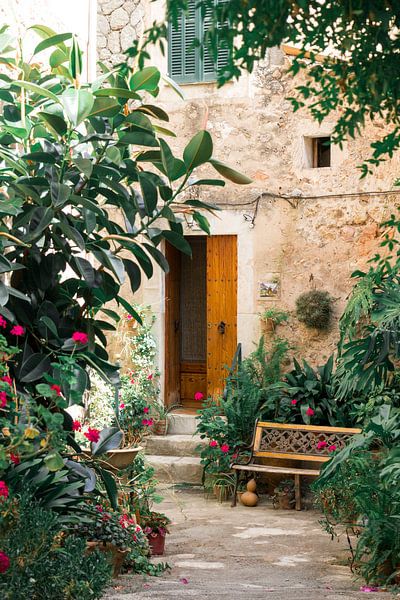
x=291 y=455
x=270 y=425
x=273 y=469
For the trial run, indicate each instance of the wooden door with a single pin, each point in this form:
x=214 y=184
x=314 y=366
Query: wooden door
x=221 y=309
x=172 y=327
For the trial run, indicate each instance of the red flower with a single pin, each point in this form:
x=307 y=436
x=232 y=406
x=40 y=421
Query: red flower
x=146 y=409
x=99 y=508
x=3 y=489
x=198 y=396
x=150 y=377
x=121 y=406
x=332 y=448
x=80 y=337
x=132 y=381
x=213 y=444
x=93 y=435
x=7 y=379
x=15 y=458
x=309 y=411
x=56 y=388
x=321 y=444
x=294 y=402
x=145 y=421
x=3 y=399
x=4 y=562
x=76 y=426
x=3 y=322
x=150 y=422
x=235 y=455
x=17 y=330
x=224 y=448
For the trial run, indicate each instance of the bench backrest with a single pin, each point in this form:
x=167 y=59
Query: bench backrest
x=299 y=442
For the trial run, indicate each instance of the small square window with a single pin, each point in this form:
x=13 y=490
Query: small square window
x=321 y=152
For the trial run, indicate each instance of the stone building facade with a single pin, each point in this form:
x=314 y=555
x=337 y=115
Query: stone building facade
x=297 y=224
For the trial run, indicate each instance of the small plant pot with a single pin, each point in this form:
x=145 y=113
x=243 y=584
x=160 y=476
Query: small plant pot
x=284 y=502
x=116 y=556
x=222 y=492
x=157 y=544
x=161 y=427
x=121 y=458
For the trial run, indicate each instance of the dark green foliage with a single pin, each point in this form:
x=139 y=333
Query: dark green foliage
x=370 y=326
x=359 y=488
x=359 y=75
x=314 y=309
x=307 y=388
x=43 y=565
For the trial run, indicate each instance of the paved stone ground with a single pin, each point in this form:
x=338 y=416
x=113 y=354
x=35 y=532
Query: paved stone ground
x=221 y=553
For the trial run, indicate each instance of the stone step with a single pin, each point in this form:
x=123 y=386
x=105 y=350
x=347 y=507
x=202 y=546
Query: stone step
x=173 y=445
x=176 y=469
x=181 y=424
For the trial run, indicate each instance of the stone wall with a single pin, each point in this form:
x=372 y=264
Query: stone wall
x=118 y=23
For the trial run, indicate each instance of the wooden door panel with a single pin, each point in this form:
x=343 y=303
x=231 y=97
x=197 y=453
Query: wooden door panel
x=172 y=327
x=221 y=309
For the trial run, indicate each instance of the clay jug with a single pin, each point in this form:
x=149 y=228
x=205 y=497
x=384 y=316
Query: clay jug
x=251 y=485
x=249 y=499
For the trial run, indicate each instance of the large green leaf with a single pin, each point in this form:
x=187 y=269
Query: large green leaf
x=54 y=461
x=198 y=151
x=177 y=240
x=230 y=173
x=110 y=439
x=146 y=79
x=77 y=104
x=35 y=367
x=104 y=107
x=54 y=40
x=110 y=486
x=37 y=89
x=117 y=93
x=75 y=59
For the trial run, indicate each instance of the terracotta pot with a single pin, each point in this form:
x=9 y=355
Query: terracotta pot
x=222 y=492
x=157 y=544
x=161 y=427
x=249 y=499
x=122 y=457
x=116 y=556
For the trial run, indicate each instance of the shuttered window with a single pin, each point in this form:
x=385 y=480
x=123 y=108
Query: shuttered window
x=188 y=64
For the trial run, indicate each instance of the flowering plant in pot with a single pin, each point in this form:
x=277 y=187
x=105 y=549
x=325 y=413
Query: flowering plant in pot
x=284 y=496
x=155 y=526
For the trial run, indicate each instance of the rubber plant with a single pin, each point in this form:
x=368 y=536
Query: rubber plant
x=90 y=188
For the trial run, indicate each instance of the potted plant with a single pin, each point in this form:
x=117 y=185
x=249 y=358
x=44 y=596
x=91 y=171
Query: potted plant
x=161 y=413
x=273 y=317
x=111 y=532
x=284 y=495
x=155 y=526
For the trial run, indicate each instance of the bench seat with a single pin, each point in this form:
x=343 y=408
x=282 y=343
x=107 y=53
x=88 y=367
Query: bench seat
x=272 y=469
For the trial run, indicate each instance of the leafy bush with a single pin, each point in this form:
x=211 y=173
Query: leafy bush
x=44 y=564
x=310 y=396
x=314 y=309
x=359 y=489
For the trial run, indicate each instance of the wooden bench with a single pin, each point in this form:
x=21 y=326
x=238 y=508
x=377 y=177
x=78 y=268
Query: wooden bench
x=291 y=442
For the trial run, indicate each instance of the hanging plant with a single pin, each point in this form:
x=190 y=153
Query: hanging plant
x=315 y=309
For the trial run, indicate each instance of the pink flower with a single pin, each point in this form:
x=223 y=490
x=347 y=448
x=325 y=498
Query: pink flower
x=129 y=317
x=7 y=379
x=150 y=422
x=99 y=508
x=224 y=448
x=3 y=322
x=3 y=489
x=184 y=580
x=145 y=422
x=76 y=426
x=56 y=388
x=368 y=588
x=122 y=406
x=332 y=448
x=146 y=410
x=17 y=330
x=150 y=377
x=321 y=444
x=198 y=396
x=132 y=381
x=80 y=337
x=213 y=444
x=309 y=411
x=15 y=458
x=4 y=562
x=294 y=402
x=92 y=435
x=3 y=399
x=235 y=455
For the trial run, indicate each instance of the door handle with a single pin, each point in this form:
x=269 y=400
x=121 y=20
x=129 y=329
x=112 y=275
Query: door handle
x=221 y=327
x=176 y=325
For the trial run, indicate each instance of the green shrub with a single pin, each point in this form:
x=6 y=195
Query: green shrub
x=314 y=309
x=44 y=564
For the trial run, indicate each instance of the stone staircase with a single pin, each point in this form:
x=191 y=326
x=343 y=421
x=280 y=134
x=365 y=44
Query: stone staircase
x=174 y=456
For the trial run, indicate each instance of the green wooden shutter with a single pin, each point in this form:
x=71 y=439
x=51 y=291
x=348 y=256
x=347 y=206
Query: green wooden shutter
x=183 y=56
x=207 y=63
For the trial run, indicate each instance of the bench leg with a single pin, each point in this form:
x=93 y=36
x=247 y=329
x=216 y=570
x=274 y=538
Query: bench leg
x=235 y=488
x=297 y=491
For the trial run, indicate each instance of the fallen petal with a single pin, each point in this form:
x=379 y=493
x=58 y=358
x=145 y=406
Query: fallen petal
x=368 y=589
x=184 y=580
